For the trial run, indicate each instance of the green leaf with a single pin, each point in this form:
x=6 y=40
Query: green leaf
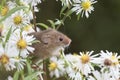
x=29 y=67
x=78 y=17
x=22 y=74
x=52 y=24
x=69 y=12
x=62 y=10
x=18 y=2
x=8 y=35
x=2 y=4
x=1 y=39
x=58 y=22
x=16 y=75
x=35 y=41
x=11 y=12
x=43 y=25
x=32 y=76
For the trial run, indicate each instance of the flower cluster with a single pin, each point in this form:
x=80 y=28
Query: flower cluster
x=16 y=45
x=81 y=7
x=15 y=25
x=102 y=66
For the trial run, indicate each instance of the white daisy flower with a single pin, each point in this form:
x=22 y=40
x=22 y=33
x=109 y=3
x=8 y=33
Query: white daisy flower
x=17 y=20
x=56 y=67
x=72 y=62
x=11 y=4
x=82 y=62
x=72 y=59
x=84 y=7
x=90 y=78
x=33 y=3
x=19 y=63
x=10 y=78
x=7 y=56
x=76 y=1
x=110 y=61
x=86 y=59
x=73 y=73
x=28 y=29
x=5 y=9
x=22 y=42
x=103 y=76
x=66 y=2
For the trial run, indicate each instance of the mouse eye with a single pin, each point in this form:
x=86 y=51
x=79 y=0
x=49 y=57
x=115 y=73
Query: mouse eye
x=60 y=39
x=46 y=43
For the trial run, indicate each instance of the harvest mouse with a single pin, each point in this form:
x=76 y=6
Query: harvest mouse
x=51 y=42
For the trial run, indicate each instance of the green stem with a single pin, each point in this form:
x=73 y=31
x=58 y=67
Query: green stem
x=68 y=13
x=63 y=20
x=22 y=75
x=54 y=78
x=66 y=77
x=83 y=78
x=18 y=2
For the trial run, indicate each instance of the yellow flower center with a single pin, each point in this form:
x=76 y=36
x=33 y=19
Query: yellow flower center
x=114 y=60
x=17 y=58
x=17 y=19
x=4 y=59
x=85 y=58
x=21 y=44
x=4 y=10
x=52 y=66
x=27 y=28
x=86 y=4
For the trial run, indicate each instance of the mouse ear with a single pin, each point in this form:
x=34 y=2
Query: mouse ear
x=45 y=39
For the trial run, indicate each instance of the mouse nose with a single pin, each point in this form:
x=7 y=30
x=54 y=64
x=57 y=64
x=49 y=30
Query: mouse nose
x=67 y=41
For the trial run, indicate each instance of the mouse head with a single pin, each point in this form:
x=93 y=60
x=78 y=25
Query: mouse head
x=53 y=38
x=51 y=42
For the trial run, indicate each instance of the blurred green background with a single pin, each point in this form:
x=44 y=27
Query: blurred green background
x=101 y=31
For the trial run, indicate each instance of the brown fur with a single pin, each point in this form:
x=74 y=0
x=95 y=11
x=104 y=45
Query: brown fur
x=51 y=41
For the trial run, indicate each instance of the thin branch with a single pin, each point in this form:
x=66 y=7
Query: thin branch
x=45 y=70
x=34 y=19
